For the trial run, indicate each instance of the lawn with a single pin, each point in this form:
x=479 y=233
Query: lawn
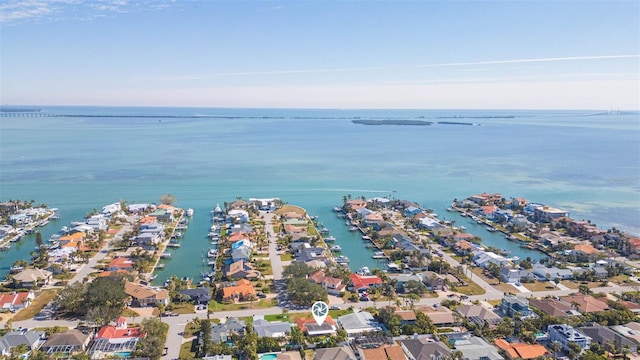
x=470 y=289
x=262 y=304
x=572 y=284
x=508 y=288
x=286 y=257
x=290 y=208
x=188 y=350
x=621 y=279
x=45 y=297
x=539 y=286
x=264 y=266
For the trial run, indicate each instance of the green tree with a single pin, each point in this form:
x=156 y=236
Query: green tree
x=167 y=199
x=70 y=299
x=105 y=299
x=298 y=269
x=152 y=344
x=305 y=293
x=205 y=337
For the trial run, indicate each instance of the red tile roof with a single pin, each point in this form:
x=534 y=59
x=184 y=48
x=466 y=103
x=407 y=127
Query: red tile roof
x=360 y=281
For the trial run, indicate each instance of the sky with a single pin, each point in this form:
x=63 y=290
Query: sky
x=322 y=54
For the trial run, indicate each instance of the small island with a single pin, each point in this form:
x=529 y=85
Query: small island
x=393 y=122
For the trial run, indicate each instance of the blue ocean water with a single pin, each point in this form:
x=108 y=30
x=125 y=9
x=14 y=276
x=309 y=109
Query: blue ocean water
x=586 y=163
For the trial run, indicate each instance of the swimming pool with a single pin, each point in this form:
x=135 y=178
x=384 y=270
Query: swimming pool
x=268 y=357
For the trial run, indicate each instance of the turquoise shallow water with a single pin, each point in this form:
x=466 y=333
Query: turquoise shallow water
x=589 y=165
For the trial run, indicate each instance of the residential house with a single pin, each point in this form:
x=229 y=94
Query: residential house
x=364 y=282
x=521 y=350
x=335 y=353
x=552 y=273
x=547 y=213
x=148 y=240
x=120 y=263
x=412 y=210
x=242 y=252
x=463 y=236
x=237 y=216
x=485 y=199
x=237 y=236
x=239 y=204
x=566 y=334
x=402 y=279
x=484 y=258
x=359 y=322
x=393 y=352
x=407 y=317
x=512 y=276
x=520 y=223
x=604 y=335
x=138 y=208
x=512 y=305
x=97 y=223
x=586 y=303
x=199 y=296
x=264 y=328
x=440 y=316
x=311 y=328
x=374 y=220
x=265 y=204
x=629 y=330
x=422 y=349
x=487 y=211
x=67 y=342
x=12 y=339
x=433 y=281
x=111 y=340
x=221 y=332
x=162 y=215
x=585 y=250
x=476 y=348
x=334 y=286
x=30 y=278
x=428 y=222
x=553 y=307
x=243 y=227
x=241 y=269
x=241 y=290
x=16 y=300
x=143 y=294
x=306 y=254
x=479 y=314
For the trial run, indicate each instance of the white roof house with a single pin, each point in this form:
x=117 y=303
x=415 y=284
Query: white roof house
x=359 y=322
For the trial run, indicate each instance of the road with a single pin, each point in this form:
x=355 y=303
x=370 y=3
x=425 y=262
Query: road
x=274 y=257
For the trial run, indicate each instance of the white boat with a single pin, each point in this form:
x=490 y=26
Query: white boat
x=64 y=229
x=342 y=259
x=336 y=248
x=323 y=231
x=54 y=238
x=353 y=228
x=212 y=253
x=77 y=223
x=363 y=271
x=165 y=255
x=379 y=255
x=337 y=209
x=449 y=209
x=330 y=239
x=189 y=212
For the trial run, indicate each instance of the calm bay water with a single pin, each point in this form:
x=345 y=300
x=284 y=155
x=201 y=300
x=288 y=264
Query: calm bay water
x=589 y=165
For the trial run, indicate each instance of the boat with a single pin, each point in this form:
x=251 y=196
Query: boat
x=5 y=248
x=364 y=271
x=64 y=229
x=379 y=255
x=491 y=229
x=449 y=209
x=353 y=228
x=172 y=245
x=77 y=223
x=323 y=231
x=370 y=246
x=16 y=269
x=212 y=253
x=366 y=238
x=174 y=241
x=330 y=239
x=176 y=235
x=44 y=223
x=342 y=259
x=462 y=227
x=54 y=238
x=189 y=212
x=337 y=209
x=336 y=248
x=166 y=256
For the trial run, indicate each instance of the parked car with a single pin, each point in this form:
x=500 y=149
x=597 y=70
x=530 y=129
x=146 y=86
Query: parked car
x=334 y=307
x=262 y=295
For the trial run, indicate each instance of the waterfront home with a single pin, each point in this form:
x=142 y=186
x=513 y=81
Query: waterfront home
x=120 y=263
x=245 y=228
x=355 y=204
x=374 y=220
x=547 y=213
x=241 y=290
x=265 y=204
x=478 y=314
x=484 y=258
x=309 y=326
x=463 y=237
x=301 y=223
x=428 y=222
x=240 y=204
x=138 y=208
x=519 y=350
x=306 y=254
x=162 y=215
x=148 y=240
x=241 y=252
x=221 y=332
x=412 y=210
x=604 y=335
x=97 y=223
x=362 y=212
x=237 y=216
x=142 y=294
x=152 y=227
x=423 y=349
x=30 y=278
x=520 y=223
x=16 y=300
x=552 y=273
x=512 y=276
x=241 y=269
x=474 y=347
x=566 y=334
x=111 y=209
x=198 y=296
x=118 y=339
x=32 y=339
x=364 y=282
x=382 y=353
x=359 y=322
x=440 y=316
x=554 y=307
x=334 y=286
x=343 y=352
x=586 y=251
x=485 y=198
x=237 y=236
x=487 y=211
x=67 y=342
x=276 y=329
x=512 y=305
x=586 y=303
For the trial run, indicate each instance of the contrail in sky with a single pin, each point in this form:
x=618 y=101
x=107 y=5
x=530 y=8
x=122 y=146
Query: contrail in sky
x=452 y=64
